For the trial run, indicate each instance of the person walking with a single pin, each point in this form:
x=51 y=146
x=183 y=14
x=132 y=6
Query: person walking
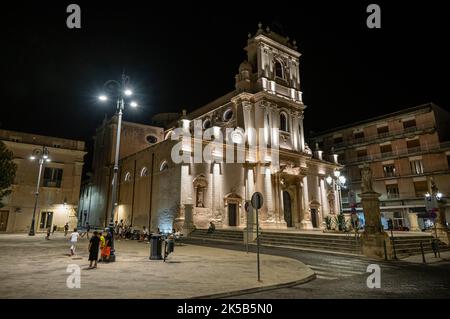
x=66 y=229
x=73 y=241
x=48 y=233
x=102 y=246
x=93 y=250
x=55 y=227
x=106 y=253
x=88 y=229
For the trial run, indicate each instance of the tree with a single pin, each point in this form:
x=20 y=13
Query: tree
x=7 y=171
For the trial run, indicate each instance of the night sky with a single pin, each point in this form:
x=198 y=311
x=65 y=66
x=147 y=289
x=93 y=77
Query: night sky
x=185 y=56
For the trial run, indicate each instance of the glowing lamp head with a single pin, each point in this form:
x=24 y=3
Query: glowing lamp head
x=32 y=157
x=439 y=196
x=427 y=195
x=337 y=173
x=48 y=160
x=133 y=104
x=103 y=98
x=128 y=92
x=342 y=179
x=329 y=180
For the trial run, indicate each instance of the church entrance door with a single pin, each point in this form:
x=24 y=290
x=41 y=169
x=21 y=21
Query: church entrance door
x=287 y=208
x=232 y=214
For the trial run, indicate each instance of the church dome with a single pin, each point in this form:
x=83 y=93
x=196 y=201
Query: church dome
x=245 y=66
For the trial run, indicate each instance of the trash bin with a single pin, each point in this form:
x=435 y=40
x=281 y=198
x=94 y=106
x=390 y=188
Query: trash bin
x=155 y=247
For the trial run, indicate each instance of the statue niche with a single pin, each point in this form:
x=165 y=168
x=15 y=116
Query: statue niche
x=366 y=179
x=200 y=185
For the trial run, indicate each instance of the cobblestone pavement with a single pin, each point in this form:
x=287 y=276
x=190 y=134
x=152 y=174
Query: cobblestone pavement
x=33 y=267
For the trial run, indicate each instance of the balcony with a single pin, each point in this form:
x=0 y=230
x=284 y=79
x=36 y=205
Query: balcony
x=379 y=137
x=400 y=153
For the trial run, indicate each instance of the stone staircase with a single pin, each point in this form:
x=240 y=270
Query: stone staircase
x=410 y=245
x=218 y=235
x=332 y=243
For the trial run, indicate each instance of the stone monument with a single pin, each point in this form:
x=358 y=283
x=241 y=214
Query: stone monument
x=374 y=237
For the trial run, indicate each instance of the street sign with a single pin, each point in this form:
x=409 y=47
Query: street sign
x=257 y=200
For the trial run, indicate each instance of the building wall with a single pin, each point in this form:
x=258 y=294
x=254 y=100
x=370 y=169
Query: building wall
x=67 y=155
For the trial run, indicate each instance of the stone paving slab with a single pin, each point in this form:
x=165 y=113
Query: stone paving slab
x=33 y=267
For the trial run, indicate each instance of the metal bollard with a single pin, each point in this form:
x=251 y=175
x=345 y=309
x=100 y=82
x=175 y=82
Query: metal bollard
x=385 y=250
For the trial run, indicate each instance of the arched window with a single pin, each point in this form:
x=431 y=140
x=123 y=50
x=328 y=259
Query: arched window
x=127 y=177
x=278 y=69
x=284 y=122
x=151 y=139
x=144 y=172
x=227 y=115
x=164 y=166
x=206 y=124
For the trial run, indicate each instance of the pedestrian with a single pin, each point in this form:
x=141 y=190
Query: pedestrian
x=88 y=229
x=211 y=228
x=93 y=250
x=435 y=247
x=73 y=241
x=106 y=253
x=48 y=233
x=66 y=229
x=55 y=227
x=120 y=232
x=102 y=245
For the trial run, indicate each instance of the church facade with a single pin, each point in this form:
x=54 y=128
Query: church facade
x=266 y=108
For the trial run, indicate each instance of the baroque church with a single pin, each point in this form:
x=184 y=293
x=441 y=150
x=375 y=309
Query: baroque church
x=157 y=192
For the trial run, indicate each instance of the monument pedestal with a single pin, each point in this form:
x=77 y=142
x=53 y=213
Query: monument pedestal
x=372 y=245
x=374 y=237
x=305 y=225
x=413 y=222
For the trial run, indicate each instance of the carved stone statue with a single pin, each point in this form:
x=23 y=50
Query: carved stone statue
x=366 y=179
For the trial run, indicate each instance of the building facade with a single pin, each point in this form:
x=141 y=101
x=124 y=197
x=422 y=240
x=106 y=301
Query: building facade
x=60 y=182
x=158 y=190
x=406 y=151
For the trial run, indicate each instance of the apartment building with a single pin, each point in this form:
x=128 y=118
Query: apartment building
x=59 y=187
x=406 y=150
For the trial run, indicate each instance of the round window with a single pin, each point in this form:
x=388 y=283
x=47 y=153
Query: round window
x=151 y=139
x=206 y=124
x=227 y=115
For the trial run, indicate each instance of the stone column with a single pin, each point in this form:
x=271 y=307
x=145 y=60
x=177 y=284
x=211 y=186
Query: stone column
x=188 y=224
x=413 y=221
x=306 y=221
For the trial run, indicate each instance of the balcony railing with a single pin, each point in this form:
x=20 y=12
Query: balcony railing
x=372 y=138
x=400 y=152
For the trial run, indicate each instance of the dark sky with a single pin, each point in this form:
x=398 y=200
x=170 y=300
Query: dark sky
x=185 y=56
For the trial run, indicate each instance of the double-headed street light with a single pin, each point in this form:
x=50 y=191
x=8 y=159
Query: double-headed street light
x=121 y=92
x=337 y=181
x=43 y=156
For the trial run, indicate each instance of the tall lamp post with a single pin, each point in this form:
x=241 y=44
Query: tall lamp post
x=43 y=156
x=432 y=204
x=121 y=92
x=337 y=181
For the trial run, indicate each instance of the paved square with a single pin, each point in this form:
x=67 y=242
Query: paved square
x=33 y=267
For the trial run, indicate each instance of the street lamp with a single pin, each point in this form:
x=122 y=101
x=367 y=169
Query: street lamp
x=338 y=182
x=120 y=91
x=432 y=204
x=42 y=155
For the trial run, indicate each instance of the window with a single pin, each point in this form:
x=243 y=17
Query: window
x=416 y=167
x=206 y=124
x=413 y=144
x=392 y=191
x=127 y=177
x=421 y=188
x=164 y=166
x=151 y=139
x=278 y=69
x=389 y=170
x=409 y=124
x=144 y=172
x=46 y=220
x=56 y=145
x=361 y=154
x=386 y=149
x=15 y=139
x=358 y=135
x=53 y=177
x=383 y=130
x=227 y=115
x=284 y=122
x=338 y=139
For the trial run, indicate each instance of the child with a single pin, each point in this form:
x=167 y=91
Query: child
x=102 y=245
x=73 y=240
x=93 y=250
